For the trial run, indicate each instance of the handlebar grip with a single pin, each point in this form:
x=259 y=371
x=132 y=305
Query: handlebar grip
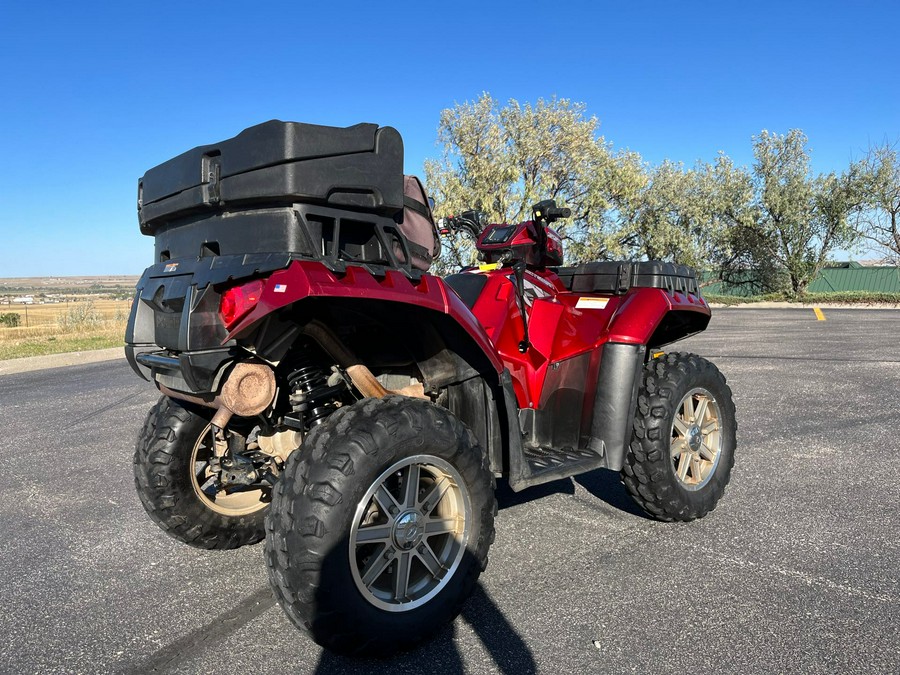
x=561 y=212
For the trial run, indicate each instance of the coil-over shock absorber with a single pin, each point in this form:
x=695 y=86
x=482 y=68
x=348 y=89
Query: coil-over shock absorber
x=315 y=393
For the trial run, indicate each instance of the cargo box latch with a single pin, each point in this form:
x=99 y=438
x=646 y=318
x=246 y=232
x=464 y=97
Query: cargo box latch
x=623 y=278
x=211 y=166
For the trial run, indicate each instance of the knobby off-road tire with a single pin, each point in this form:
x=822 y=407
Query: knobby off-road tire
x=380 y=526
x=163 y=475
x=682 y=448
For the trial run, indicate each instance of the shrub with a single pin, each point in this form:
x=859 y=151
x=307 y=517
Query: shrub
x=80 y=316
x=841 y=297
x=10 y=320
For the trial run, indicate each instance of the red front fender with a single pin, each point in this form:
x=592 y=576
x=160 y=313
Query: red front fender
x=654 y=316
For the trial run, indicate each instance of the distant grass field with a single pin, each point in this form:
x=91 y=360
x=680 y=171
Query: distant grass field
x=57 y=328
x=51 y=314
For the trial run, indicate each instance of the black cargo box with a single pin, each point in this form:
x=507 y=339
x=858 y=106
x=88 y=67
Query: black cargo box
x=278 y=163
x=325 y=193
x=616 y=277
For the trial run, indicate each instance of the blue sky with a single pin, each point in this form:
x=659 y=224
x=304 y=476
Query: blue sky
x=96 y=93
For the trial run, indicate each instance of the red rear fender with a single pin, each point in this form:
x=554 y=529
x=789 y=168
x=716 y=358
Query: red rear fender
x=308 y=279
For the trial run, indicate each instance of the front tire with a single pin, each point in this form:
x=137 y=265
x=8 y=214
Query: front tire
x=380 y=526
x=683 y=441
x=174 y=485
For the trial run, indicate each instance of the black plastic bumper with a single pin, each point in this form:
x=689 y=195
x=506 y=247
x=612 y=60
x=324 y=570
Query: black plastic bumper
x=190 y=372
x=175 y=335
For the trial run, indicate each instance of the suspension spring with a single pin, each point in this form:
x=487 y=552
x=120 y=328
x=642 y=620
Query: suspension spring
x=311 y=396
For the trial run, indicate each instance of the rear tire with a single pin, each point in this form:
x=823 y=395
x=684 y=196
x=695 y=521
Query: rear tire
x=380 y=526
x=164 y=465
x=684 y=436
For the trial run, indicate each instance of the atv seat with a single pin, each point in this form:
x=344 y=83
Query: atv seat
x=467 y=286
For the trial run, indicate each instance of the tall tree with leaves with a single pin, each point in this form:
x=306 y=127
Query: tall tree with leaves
x=502 y=160
x=880 y=221
x=739 y=250
x=800 y=218
x=685 y=215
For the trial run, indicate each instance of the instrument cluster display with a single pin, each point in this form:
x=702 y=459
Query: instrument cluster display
x=499 y=234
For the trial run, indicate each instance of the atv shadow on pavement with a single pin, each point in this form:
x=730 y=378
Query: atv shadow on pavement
x=606 y=485
x=507 y=498
x=437 y=654
x=603 y=484
x=441 y=653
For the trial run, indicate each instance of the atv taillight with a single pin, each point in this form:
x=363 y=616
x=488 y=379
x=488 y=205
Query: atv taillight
x=238 y=301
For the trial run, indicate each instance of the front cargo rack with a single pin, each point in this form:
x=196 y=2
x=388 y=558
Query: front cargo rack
x=617 y=277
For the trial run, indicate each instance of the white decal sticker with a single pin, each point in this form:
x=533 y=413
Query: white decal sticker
x=591 y=303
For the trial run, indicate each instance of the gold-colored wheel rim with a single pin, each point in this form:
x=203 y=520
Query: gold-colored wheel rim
x=696 y=439
x=207 y=487
x=409 y=533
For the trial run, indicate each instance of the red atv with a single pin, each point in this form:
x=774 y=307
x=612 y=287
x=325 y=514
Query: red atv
x=321 y=390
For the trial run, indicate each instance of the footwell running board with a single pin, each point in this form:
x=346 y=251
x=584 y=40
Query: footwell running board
x=534 y=466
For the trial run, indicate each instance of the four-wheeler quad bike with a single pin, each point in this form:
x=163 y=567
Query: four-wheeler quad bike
x=322 y=391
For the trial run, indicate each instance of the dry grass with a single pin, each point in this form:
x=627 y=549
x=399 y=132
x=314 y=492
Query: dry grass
x=50 y=314
x=59 y=328
x=42 y=340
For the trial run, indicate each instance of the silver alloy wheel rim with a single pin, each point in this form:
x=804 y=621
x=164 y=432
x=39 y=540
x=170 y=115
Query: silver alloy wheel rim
x=409 y=533
x=696 y=444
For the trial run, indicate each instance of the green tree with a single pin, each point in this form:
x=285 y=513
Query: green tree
x=659 y=216
x=685 y=215
x=800 y=219
x=502 y=160
x=739 y=249
x=880 y=221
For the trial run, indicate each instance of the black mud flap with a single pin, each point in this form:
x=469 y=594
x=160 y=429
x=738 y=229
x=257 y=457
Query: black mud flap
x=616 y=399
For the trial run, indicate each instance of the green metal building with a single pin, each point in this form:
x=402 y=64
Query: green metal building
x=837 y=278
x=854 y=277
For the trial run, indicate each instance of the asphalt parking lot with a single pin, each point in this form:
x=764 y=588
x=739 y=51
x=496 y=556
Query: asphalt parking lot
x=796 y=571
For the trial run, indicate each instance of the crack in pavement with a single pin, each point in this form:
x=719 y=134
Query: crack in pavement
x=188 y=646
x=808 y=579
x=105 y=408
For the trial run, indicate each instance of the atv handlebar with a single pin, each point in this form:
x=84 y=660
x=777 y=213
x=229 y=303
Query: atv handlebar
x=547 y=211
x=470 y=221
x=474 y=222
